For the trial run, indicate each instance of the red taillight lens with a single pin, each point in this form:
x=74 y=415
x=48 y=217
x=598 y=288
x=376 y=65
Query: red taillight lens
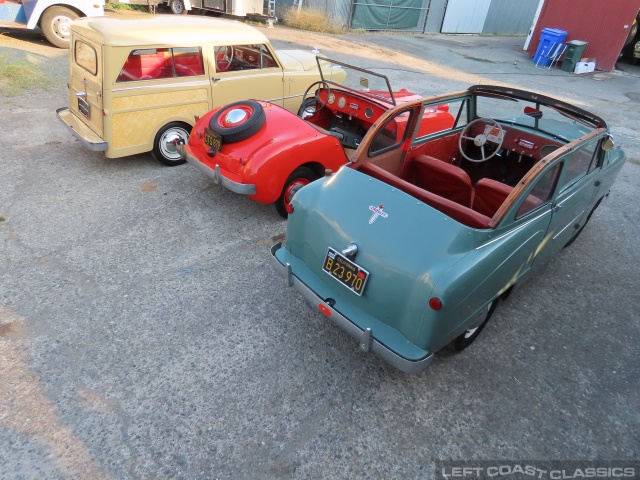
x=324 y=309
x=435 y=303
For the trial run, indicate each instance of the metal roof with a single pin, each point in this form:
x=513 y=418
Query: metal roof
x=144 y=29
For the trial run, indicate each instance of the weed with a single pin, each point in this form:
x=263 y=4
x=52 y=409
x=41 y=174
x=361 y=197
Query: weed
x=16 y=76
x=126 y=6
x=310 y=19
x=485 y=60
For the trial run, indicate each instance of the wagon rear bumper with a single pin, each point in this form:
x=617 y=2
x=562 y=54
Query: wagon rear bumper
x=216 y=174
x=364 y=337
x=88 y=137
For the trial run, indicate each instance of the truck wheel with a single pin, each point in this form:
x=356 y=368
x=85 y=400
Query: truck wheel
x=177 y=7
x=56 y=25
x=164 y=145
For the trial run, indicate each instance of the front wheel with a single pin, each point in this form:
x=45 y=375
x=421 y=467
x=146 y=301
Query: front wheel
x=56 y=25
x=469 y=336
x=177 y=7
x=299 y=178
x=164 y=145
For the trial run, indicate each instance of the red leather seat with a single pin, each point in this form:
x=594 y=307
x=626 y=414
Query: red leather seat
x=489 y=195
x=462 y=214
x=442 y=178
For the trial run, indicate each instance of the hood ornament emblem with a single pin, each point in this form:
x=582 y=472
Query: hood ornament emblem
x=377 y=212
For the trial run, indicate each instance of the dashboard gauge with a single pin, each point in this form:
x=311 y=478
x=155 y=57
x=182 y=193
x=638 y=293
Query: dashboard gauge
x=368 y=112
x=342 y=102
x=332 y=98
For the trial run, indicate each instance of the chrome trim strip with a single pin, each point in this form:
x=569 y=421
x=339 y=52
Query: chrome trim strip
x=204 y=83
x=572 y=223
x=364 y=338
x=284 y=98
x=93 y=146
x=510 y=232
x=216 y=175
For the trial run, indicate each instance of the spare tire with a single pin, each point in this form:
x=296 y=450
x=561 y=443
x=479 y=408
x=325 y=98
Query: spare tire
x=238 y=121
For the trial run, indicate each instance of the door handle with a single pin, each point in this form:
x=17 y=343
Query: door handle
x=556 y=207
x=214 y=79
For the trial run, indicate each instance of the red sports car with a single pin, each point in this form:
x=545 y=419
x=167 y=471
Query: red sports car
x=261 y=150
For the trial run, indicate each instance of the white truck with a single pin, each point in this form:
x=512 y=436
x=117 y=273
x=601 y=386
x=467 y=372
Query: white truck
x=52 y=16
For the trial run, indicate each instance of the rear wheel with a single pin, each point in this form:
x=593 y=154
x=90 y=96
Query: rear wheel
x=56 y=25
x=177 y=7
x=468 y=337
x=164 y=145
x=299 y=178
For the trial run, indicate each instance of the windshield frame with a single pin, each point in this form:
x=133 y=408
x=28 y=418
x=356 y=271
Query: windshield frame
x=351 y=67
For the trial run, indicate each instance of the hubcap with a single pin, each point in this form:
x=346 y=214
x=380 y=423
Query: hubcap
x=288 y=194
x=234 y=117
x=61 y=27
x=168 y=142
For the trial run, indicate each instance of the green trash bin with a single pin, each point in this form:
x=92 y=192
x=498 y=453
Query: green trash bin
x=573 y=54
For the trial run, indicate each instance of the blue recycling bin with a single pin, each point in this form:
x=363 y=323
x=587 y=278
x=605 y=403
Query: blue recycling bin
x=548 y=37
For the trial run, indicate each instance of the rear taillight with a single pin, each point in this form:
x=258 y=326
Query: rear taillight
x=435 y=303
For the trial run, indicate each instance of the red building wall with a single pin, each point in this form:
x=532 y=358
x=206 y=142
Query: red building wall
x=599 y=22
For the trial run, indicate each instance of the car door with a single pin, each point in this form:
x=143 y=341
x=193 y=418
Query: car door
x=576 y=194
x=245 y=71
x=85 y=86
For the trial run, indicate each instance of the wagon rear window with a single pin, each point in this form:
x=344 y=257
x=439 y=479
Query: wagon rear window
x=155 y=63
x=86 y=57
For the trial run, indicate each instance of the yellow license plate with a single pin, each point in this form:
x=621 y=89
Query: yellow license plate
x=348 y=273
x=212 y=139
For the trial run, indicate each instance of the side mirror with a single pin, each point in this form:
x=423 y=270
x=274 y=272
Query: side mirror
x=608 y=144
x=532 y=112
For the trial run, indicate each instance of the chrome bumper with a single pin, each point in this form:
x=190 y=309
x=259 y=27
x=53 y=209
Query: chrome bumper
x=364 y=337
x=88 y=137
x=216 y=175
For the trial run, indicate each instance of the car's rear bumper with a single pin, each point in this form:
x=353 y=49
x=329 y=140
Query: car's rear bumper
x=216 y=174
x=88 y=137
x=364 y=337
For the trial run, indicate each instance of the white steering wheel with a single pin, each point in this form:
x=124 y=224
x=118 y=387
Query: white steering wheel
x=481 y=139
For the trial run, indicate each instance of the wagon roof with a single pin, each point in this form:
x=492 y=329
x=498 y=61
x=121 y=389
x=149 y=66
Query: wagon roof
x=143 y=29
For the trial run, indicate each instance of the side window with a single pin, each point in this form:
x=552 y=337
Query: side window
x=390 y=134
x=232 y=58
x=577 y=164
x=188 y=61
x=86 y=57
x=541 y=191
x=441 y=117
x=155 y=63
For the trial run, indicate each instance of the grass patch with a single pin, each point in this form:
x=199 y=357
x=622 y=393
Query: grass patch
x=310 y=19
x=16 y=76
x=127 y=6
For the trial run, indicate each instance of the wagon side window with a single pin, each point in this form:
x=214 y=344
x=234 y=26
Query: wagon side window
x=577 y=164
x=86 y=57
x=188 y=61
x=541 y=192
x=157 y=63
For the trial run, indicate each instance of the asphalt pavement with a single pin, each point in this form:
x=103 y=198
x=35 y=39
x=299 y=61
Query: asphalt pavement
x=143 y=333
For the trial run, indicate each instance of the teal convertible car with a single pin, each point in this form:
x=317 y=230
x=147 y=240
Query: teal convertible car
x=410 y=246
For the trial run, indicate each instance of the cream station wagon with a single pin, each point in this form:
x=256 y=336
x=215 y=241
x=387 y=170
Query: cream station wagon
x=138 y=82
